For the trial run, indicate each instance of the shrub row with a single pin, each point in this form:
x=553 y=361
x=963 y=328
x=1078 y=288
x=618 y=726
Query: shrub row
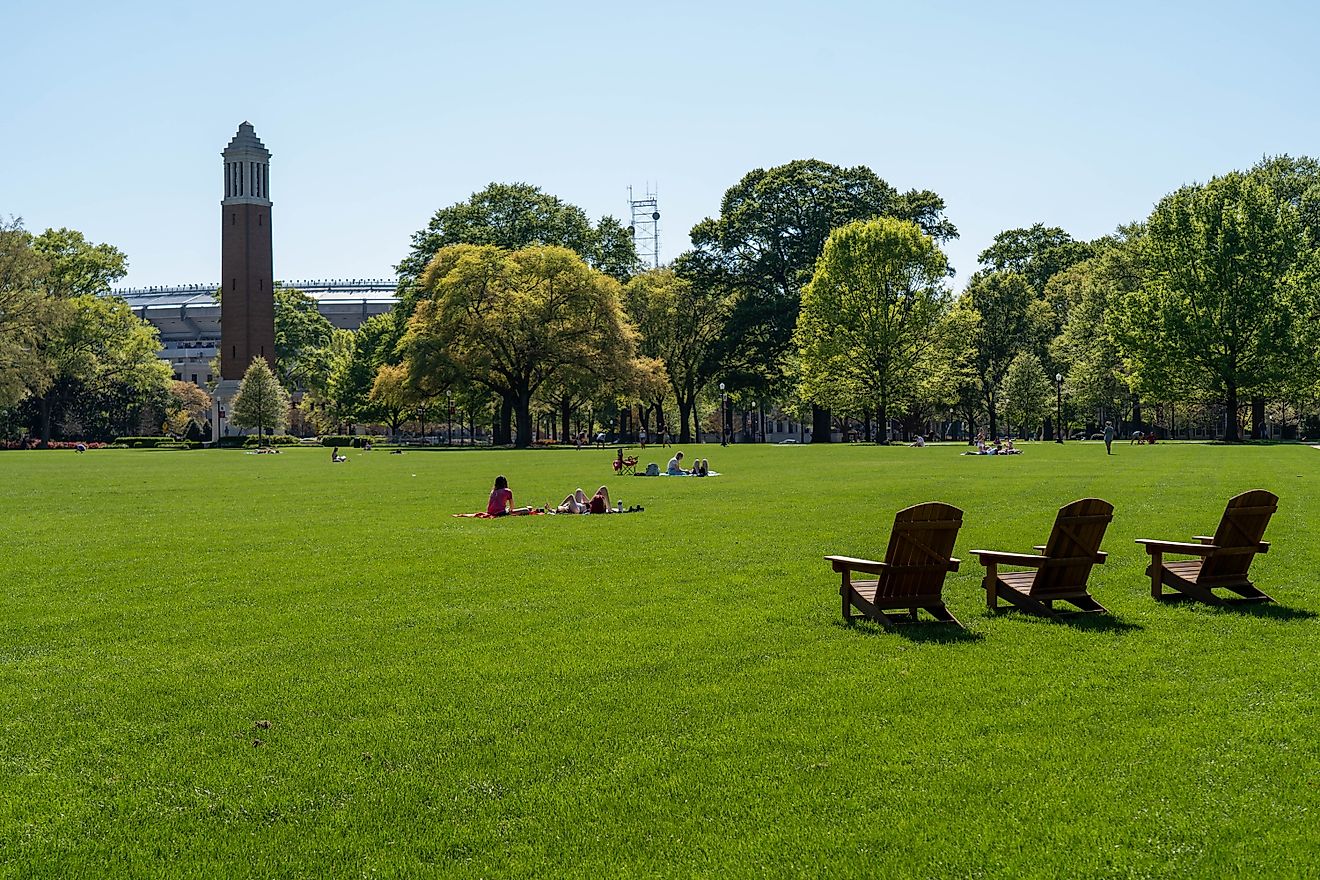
x=272 y=440
x=33 y=443
x=144 y=442
x=344 y=440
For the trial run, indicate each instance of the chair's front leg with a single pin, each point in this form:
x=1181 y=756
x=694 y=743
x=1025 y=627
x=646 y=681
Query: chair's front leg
x=844 y=588
x=991 y=579
x=1156 y=570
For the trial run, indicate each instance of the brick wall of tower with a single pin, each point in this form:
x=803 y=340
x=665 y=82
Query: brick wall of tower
x=247 y=307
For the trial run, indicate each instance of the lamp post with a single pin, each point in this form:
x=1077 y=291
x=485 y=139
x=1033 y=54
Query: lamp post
x=1058 y=412
x=724 y=432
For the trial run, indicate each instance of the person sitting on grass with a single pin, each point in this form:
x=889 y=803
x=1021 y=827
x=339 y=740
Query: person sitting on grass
x=335 y=457
x=501 y=500
x=675 y=468
x=1010 y=449
x=702 y=468
x=919 y=442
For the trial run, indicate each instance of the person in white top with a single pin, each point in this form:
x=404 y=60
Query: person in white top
x=675 y=468
x=919 y=442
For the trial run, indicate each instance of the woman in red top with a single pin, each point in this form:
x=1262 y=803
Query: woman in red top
x=501 y=500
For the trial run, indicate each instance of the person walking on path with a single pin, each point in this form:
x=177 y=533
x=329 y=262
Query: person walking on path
x=1109 y=438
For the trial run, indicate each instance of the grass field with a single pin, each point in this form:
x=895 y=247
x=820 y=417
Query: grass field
x=670 y=693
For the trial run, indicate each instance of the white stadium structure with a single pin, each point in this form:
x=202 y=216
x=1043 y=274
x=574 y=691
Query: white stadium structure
x=188 y=316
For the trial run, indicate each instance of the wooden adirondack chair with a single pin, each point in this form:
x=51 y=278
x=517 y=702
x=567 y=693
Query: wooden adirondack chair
x=912 y=573
x=1226 y=556
x=1061 y=567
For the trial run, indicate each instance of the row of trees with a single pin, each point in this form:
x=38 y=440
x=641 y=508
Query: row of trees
x=819 y=287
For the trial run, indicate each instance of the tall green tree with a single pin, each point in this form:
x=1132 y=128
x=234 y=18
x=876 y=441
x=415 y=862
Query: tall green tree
x=302 y=341
x=873 y=314
x=1026 y=393
x=680 y=322
x=261 y=401
x=512 y=321
x=513 y=216
x=1009 y=319
x=26 y=315
x=763 y=248
x=1037 y=253
x=1224 y=296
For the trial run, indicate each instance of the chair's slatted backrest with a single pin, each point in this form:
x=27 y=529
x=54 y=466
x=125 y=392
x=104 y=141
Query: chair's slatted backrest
x=1078 y=530
x=1239 y=535
x=920 y=547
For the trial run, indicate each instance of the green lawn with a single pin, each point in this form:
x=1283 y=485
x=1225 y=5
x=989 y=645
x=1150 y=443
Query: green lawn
x=670 y=693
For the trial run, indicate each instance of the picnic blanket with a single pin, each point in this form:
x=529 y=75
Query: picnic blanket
x=664 y=474
x=481 y=514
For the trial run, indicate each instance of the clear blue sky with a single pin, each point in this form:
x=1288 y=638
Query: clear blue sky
x=378 y=113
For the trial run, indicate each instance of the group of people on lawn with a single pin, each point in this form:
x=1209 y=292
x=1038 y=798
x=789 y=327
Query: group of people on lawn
x=501 y=502
x=700 y=468
x=501 y=496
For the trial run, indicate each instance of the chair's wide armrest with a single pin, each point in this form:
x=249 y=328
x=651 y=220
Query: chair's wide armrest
x=1030 y=559
x=1204 y=539
x=1039 y=548
x=1153 y=546
x=850 y=563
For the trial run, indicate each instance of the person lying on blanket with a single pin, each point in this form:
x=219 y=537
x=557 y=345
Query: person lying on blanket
x=578 y=502
x=501 y=500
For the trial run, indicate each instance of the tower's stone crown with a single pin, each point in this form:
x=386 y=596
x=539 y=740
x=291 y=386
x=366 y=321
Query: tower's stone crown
x=247 y=169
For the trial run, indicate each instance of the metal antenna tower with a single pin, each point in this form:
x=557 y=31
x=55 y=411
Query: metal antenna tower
x=645 y=227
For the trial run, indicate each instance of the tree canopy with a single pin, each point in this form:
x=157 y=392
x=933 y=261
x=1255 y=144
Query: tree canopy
x=872 y=322
x=514 y=320
x=513 y=216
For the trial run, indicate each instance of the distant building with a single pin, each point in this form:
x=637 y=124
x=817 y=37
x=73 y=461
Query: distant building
x=188 y=317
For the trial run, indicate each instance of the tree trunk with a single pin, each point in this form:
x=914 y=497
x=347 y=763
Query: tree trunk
x=1230 y=417
x=523 y=413
x=686 y=405
x=504 y=427
x=820 y=425
x=1257 y=418
x=45 y=419
x=993 y=417
x=566 y=416
x=1137 y=421
x=881 y=423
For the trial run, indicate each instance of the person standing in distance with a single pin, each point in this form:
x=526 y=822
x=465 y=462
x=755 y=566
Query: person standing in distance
x=1109 y=438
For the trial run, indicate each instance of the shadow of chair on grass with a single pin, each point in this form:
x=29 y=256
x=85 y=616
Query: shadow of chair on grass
x=1270 y=610
x=922 y=632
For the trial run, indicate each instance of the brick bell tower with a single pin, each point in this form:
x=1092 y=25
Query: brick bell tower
x=247 y=308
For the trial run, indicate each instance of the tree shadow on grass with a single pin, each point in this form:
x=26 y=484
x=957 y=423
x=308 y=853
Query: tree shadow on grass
x=923 y=632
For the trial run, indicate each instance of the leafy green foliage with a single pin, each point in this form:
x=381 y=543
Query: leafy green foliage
x=1220 y=310
x=680 y=322
x=512 y=321
x=1037 y=253
x=513 y=216
x=1008 y=319
x=261 y=401
x=763 y=247
x=872 y=323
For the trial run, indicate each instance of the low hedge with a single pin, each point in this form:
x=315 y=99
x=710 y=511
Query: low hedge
x=144 y=442
x=346 y=440
x=272 y=440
